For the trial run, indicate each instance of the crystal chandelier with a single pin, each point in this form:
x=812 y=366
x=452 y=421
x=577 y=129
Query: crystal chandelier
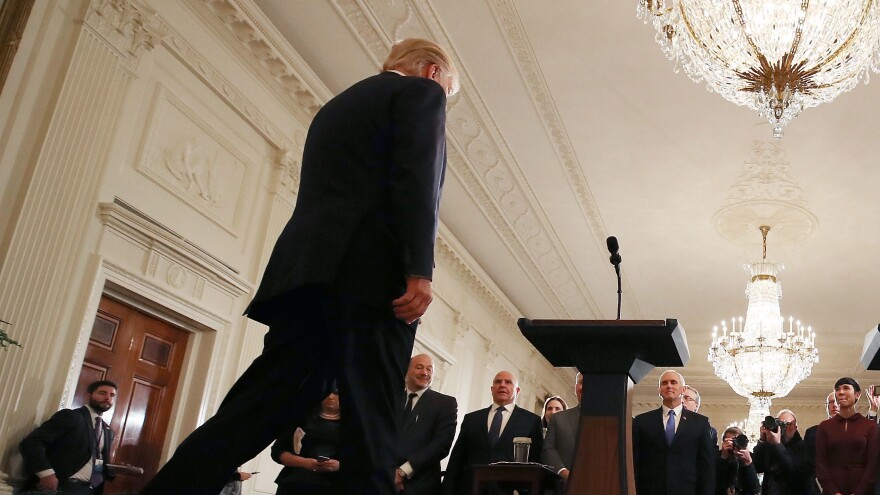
x=774 y=56
x=763 y=357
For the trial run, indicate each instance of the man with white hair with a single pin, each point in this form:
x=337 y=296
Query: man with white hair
x=672 y=450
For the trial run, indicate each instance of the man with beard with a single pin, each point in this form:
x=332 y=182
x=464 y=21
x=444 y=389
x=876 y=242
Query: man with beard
x=781 y=456
x=487 y=435
x=67 y=453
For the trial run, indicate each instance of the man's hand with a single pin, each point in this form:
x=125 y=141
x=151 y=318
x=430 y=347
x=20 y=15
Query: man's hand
x=743 y=455
x=873 y=401
x=774 y=438
x=243 y=476
x=48 y=483
x=564 y=473
x=398 y=480
x=414 y=302
x=328 y=466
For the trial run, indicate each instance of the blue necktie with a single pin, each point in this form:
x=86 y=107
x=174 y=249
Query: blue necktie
x=495 y=428
x=670 y=427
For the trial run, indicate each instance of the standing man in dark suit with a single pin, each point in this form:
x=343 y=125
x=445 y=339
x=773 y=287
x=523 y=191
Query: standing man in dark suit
x=690 y=400
x=67 y=453
x=672 y=451
x=487 y=435
x=346 y=284
x=426 y=432
x=559 y=443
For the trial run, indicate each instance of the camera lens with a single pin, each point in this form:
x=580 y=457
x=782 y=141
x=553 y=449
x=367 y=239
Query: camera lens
x=741 y=441
x=769 y=423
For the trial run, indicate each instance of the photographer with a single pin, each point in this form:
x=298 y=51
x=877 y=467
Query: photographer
x=735 y=473
x=781 y=456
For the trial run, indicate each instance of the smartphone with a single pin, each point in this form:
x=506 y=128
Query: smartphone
x=323 y=458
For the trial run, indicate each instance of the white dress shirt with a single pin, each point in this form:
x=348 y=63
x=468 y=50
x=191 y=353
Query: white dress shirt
x=677 y=410
x=505 y=416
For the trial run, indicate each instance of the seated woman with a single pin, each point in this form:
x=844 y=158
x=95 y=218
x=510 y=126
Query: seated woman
x=309 y=453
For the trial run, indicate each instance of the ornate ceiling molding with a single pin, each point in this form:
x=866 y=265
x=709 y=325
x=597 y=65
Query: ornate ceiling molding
x=265 y=50
x=485 y=163
x=765 y=193
x=508 y=20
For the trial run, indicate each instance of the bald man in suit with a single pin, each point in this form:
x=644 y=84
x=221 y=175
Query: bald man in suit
x=487 y=435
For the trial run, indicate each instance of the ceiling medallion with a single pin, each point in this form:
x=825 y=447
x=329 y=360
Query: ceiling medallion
x=774 y=56
x=765 y=193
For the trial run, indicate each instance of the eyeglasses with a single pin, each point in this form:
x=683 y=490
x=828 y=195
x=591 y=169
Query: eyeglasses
x=688 y=399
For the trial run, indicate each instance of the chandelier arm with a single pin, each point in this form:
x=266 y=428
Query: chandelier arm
x=693 y=35
x=849 y=40
x=742 y=24
x=798 y=31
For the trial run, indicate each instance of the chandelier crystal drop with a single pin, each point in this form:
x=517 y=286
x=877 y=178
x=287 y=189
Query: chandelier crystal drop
x=774 y=56
x=763 y=356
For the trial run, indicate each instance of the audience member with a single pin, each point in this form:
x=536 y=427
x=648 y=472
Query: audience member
x=782 y=457
x=552 y=405
x=562 y=434
x=672 y=450
x=67 y=453
x=734 y=472
x=831 y=409
x=690 y=400
x=487 y=435
x=847 y=446
x=426 y=432
x=347 y=281
x=310 y=453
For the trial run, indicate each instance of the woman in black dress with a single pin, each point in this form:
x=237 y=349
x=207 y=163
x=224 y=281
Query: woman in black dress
x=309 y=453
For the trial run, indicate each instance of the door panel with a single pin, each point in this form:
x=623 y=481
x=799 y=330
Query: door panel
x=144 y=356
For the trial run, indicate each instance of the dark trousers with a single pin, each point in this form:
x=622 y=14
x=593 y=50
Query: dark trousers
x=317 y=338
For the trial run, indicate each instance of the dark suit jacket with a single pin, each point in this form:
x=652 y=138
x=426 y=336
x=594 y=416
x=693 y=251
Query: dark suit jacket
x=425 y=438
x=366 y=212
x=64 y=443
x=473 y=447
x=687 y=467
x=561 y=437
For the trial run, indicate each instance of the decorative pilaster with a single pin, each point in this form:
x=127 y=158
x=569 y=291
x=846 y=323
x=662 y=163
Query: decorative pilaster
x=43 y=269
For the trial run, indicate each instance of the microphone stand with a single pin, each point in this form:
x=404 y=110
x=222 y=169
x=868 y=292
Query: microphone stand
x=619 y=291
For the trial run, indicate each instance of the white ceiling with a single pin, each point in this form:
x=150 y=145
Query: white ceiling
x=572 y=126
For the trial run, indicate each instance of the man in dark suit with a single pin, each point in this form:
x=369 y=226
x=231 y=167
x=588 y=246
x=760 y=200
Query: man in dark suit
x=559 y=443
x=690 y=400
x=347 y=281
x=487 y=435
x=672 y=451
x=67 y=453
x=426 y=432
x=831 y=410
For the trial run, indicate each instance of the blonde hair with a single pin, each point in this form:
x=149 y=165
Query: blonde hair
x=412 y=54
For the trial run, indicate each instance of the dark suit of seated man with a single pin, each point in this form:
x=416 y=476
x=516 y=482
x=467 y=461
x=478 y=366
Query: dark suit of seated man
x=487 y=435
x=561 y=435
x=427 y=429
x=672 y=453
x=67 y=452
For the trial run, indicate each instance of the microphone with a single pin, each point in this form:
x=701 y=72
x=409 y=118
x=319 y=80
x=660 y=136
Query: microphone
x=615 y=259
x=613 y=247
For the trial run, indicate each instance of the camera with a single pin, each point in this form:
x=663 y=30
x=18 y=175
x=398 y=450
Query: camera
x=773 y=424
x=740 y=442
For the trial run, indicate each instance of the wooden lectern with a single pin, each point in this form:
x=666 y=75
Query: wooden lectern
x=613 y=355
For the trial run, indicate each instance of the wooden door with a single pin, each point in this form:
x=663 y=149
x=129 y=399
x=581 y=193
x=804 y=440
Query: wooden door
x=144 y=356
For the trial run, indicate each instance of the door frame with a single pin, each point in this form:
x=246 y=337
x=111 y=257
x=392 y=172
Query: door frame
x=196 y=386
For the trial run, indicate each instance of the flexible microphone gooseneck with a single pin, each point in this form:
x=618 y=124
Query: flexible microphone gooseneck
x=615 y=259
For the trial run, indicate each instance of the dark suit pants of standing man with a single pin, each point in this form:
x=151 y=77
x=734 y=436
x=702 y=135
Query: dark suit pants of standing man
x=317 y=338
